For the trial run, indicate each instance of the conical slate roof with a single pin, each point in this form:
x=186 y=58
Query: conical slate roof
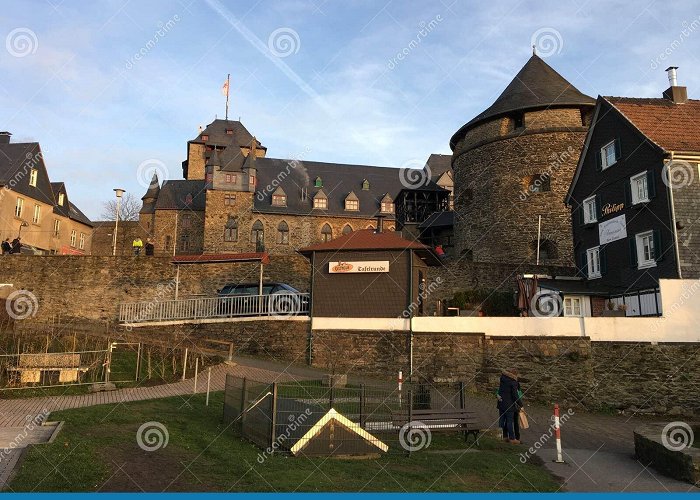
x=537 y=85
x=213 y=160
x=153 y=188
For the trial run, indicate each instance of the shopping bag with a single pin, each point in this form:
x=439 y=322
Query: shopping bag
x=522 y=418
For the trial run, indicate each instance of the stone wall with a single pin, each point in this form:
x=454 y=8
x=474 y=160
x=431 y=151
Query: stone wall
x=93 y=287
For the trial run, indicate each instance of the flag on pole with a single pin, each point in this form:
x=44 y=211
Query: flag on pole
x=224 y=88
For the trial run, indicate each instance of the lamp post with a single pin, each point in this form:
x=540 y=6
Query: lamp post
x=23 y=224
x=119 y=193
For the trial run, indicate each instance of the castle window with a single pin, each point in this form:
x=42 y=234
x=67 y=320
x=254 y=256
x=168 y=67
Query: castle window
x=347 y=229
x=33 y=175
x=205 y=137
x=279 y=200
x=538 y=183
x=318 y=182
x=229 y=199
x=229 y=131
x=365 y=185
x=185 y=242
x=519 y=121
x=61 y=197
x=231 y=230
x=548 y=249
x=231 y=178
x=326 y=233
x=257 y=234
x=73 y=237
x=283 y=233
x=186 y=221
x=81 y=243
x=352 y=205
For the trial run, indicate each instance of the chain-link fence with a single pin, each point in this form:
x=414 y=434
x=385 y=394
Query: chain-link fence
x=312 y=418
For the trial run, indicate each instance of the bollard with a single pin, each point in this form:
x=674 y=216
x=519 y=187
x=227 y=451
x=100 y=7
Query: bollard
x=557 y=434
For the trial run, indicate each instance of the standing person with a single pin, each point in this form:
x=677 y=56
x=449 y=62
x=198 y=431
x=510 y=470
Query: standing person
x=508 y=404
x=137 y=245
x=6 y=247
x=16 y=245
x=149 y=248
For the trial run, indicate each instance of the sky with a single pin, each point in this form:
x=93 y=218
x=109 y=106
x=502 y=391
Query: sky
x=114 y=89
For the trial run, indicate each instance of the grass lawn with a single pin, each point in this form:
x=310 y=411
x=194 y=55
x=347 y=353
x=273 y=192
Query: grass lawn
x=97 y=451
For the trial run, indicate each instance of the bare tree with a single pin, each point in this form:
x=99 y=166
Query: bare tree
x=128 y=210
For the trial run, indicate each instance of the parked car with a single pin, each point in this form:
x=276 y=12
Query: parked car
x=242 y=299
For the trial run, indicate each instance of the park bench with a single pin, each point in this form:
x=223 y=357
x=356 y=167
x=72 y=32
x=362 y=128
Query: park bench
x=445 y=420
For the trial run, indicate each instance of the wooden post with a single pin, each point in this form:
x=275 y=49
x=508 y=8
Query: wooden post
x=273 y=420
x=138 y=362
x=362 y=406
x=184 y=365
x=196 y=369
x=208 y=383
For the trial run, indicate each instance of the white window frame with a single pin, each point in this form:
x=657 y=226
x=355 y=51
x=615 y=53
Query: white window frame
x=352 y=205
x=61 y=198
x=642 y=261
x=33 y=176
x=19 y=207
x=634 y=188
x=321 y=203
x=73 y=237
x=37 y=214
x=604 y=156
x=593 y=257
x=56 y=227
x=81 y=241
x=570 y=307
x=586 y=212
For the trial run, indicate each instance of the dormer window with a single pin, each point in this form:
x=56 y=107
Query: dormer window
x=387 y=205
x=33 y=175
x=205 y=137
x=279 y=200
x=352 y=203
x=61 y=198
x=320 y=200
x=318 y=182
x=231 y=178
x=229 y=131
x=365 y=185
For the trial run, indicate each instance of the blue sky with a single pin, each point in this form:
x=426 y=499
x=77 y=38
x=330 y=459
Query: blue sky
x=332 y=89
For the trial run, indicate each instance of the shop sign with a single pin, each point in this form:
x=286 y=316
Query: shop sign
x=611 y=208
x=372 y=266
x=612 y=230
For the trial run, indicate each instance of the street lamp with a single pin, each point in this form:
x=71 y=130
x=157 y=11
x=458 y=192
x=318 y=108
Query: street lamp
x=23 y=224
x=119 y=193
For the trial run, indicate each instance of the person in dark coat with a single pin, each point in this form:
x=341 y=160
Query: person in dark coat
x=149 y=248
x=16 y=245
x=509 y=403
x=6 y=247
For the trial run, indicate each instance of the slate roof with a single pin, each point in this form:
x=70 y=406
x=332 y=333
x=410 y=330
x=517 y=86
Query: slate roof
x=438 y=219
x=16 y=159
x=438 y=164
x=673 y=127
x=338 y=181
x=76 y=214
x=216 y=131
x=173 y=195
x=537 y=85
x=366 y=239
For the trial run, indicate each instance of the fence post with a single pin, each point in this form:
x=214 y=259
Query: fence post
x=273 y=420
x=184 y=365
x=244 y=398
x=208 y=383
x=410 y=418
x=461 y=395
x=331 y=398
x=362 y=406
x=196 y=369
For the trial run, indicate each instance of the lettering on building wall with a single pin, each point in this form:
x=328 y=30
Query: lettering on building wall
x=612 y=230
x=376 y=266
x=612 y=208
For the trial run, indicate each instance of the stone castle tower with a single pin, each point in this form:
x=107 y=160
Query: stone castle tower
x=513 y=164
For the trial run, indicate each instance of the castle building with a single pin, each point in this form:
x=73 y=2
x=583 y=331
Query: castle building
x=35 y=209
x=234 y=198
x=513 y=164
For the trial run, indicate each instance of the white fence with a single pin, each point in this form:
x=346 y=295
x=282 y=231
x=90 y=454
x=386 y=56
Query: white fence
x=277 y=304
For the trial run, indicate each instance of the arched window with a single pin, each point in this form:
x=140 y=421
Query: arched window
x=347 y=229
x=548 y=250
x=326 y=233
x=318 y=182
x=231 y=230
x=282 y=233
x=257 y=234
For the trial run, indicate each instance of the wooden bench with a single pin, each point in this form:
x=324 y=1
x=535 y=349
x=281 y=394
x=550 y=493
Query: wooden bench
x=447 y=420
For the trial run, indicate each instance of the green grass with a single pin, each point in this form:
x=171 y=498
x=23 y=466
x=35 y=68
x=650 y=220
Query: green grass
x=97 y=451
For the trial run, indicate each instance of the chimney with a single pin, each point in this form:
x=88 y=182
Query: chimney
x=380 y=224
x=677 y=94
x=5 y=137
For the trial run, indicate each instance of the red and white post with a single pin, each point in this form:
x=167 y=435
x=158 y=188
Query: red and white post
x=400 y=386
x=557 y=434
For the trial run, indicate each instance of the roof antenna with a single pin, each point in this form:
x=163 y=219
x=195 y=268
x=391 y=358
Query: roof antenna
x=534 y=50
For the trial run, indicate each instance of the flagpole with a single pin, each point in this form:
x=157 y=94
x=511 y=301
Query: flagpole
x=228 y=90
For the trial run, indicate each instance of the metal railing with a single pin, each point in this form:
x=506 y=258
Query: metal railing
x=276 y=304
